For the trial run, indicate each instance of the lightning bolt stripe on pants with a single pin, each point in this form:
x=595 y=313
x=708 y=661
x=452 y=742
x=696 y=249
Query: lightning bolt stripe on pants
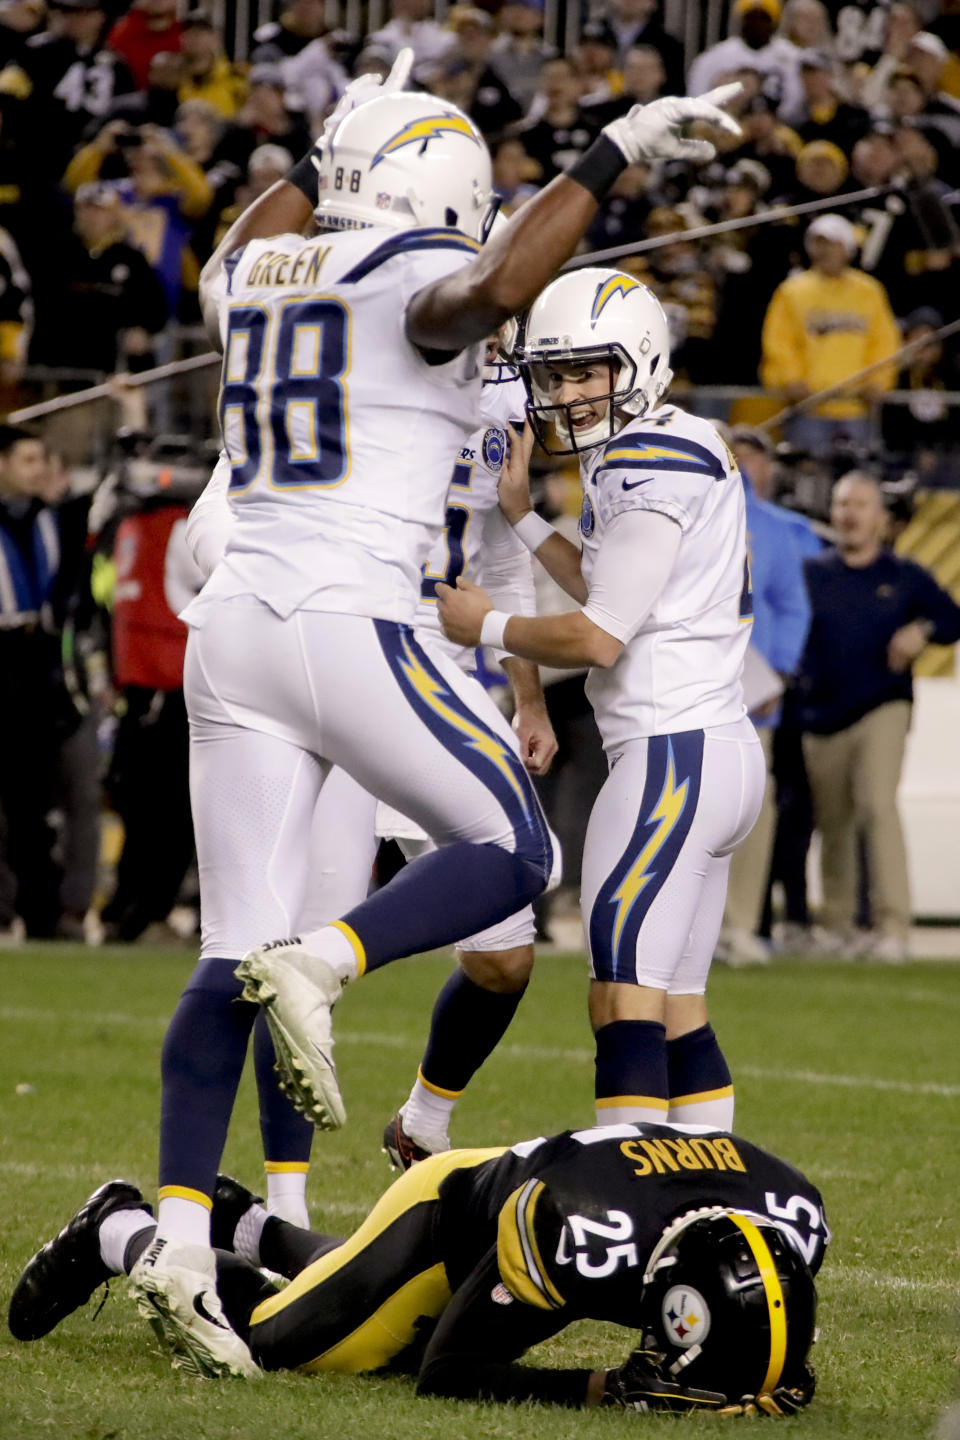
x=474 y=743
x=669 y=802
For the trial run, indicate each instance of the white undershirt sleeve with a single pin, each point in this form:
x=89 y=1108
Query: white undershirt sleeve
x=210 y=522
x=633 y=564
x=507 y=570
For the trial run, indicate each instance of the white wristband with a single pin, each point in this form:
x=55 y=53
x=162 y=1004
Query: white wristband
x=491 y=631
x=533 y=531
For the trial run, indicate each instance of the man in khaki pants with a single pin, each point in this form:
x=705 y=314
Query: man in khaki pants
x=873 y=613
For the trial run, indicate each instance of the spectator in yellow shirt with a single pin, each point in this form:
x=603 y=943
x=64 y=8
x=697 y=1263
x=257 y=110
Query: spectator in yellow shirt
x=209 y=74
x=822 y=326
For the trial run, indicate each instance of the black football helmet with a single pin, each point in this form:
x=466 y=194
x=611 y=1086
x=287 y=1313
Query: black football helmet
x=729 y=1304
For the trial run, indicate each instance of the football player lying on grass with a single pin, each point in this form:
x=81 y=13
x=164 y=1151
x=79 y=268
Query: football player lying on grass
x=703 y=1243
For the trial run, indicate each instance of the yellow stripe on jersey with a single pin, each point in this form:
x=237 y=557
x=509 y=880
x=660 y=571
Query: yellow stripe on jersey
x=182 y=1192
x=518 y=1255
x=421 y=1183
x=776 y=1309
x=356 y=944
x=390 y=1329
x=651 y=452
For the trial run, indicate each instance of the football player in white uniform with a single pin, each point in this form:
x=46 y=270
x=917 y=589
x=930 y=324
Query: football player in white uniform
x=664 y=584
x=478 y=1003
x=350 y=381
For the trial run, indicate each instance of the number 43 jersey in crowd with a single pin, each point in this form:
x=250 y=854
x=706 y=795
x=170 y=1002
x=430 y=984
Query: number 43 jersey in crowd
x=340 y=436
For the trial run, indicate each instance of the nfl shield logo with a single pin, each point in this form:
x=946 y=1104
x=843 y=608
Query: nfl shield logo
x=383 y=200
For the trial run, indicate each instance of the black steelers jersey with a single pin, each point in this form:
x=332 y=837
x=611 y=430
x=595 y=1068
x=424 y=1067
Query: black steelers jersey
x=574 y=1218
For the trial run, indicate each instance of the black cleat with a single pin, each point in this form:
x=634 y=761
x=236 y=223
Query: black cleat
x=231 y=1201
x=403 y=1150
x=64 y=1274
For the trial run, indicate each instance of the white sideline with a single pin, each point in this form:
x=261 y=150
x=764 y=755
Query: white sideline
x=755 y=1072
x=393 y=1041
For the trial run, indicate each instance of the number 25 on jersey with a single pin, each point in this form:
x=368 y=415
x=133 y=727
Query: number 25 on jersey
x=283 y=400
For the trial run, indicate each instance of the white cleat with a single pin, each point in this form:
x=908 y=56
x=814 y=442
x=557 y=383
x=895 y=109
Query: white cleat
x=298 y=991
x=176 y=1293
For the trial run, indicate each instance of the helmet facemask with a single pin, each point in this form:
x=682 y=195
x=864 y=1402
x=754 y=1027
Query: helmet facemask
x=623 y=402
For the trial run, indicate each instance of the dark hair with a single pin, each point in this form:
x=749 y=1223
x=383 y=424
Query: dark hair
x=11 y=435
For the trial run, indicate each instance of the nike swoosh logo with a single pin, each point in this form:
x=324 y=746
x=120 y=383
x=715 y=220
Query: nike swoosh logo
x=632 y=484
x=204 y=1313
x=327 y=1059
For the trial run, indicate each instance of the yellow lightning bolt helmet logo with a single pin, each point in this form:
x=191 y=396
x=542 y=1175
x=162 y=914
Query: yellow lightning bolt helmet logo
x=431 y=692
x=618 y=285
x=421 y=132
x=667 y=812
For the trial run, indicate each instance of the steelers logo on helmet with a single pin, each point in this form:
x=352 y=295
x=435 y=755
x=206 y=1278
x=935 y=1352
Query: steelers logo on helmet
x=493 y=448
x=587 y=518
x=595 y=355
x=686 y=1317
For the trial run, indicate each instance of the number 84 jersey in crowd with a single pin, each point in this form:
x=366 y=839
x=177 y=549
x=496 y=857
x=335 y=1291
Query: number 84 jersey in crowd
x=340 y=436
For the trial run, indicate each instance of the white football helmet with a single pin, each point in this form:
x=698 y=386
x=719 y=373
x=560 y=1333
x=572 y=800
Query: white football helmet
x=582 y=317
x=403 y=161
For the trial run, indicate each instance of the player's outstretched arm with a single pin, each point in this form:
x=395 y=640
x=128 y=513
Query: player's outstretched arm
x=513 y=268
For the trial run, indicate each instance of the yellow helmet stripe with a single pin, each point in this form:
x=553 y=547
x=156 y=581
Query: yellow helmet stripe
x=776 y=1307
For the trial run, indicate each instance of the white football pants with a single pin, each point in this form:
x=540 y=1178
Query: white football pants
x=657 y=854
x=274 y=703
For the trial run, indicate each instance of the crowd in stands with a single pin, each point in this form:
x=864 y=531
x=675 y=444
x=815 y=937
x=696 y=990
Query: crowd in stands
x=130 y=141
x=134 y=137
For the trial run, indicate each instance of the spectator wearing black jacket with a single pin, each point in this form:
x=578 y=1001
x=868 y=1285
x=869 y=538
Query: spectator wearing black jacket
x=638 y=22
x=565 y=129
x=873 y=614
x=823 y=115
x=99 y=307
x=32 y=700
x=64 y=81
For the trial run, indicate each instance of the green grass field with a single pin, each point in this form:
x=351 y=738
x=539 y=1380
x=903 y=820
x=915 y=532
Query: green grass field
x=850 y=1071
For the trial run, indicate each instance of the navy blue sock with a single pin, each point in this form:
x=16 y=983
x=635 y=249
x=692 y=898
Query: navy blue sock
x=467 y=1025
x=136 y=1245
x=202 y=1060
x=454 y=891
x=287 y=1136
x=696 y=1068
x=631 y=1071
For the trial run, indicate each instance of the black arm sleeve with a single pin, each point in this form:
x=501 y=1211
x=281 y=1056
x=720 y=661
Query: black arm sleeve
x=469 y=1355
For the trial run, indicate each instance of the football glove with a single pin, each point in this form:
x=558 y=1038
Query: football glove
x=655 y=131
x=367 y=87
x=639 y=1384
